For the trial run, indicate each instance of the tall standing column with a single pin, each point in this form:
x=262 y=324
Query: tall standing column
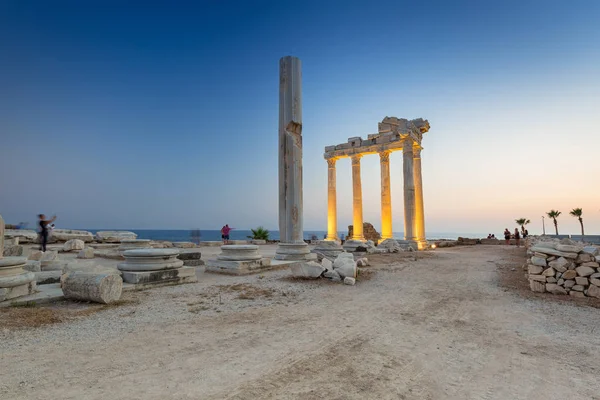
x=292 y=245
x=357 y=210
x=409 y=190
x=419 y=208
x=331 y=201
x=386 y=196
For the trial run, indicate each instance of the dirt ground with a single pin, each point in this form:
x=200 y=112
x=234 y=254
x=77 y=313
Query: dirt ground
x=453 y=323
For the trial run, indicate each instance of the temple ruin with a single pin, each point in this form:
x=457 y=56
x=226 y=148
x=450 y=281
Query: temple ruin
x=394 y=134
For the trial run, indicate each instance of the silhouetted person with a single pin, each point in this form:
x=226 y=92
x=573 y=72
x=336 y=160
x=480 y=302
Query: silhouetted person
x=44 y=230
x=517 y=237
x=506 y=236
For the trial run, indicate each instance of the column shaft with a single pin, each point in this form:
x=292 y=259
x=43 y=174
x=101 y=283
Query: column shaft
x=386 y=196
x=409 y=190
x=419 y=208
x=331 y=200
x=290 y=150
x=357 y=211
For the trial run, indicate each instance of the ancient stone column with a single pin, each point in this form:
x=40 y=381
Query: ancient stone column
x=1 y=236
x=331 y=201
x=357 y=211
x=419 y=209
x=292 y=245
x=386 y=196
x=409 y=190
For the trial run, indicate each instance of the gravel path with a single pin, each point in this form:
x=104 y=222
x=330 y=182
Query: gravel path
x=438 y=327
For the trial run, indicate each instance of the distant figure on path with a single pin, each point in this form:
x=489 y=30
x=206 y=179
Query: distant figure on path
x=525 y=234
x=44 y=230
x=225 y=233
x=506 y=236
x=517 y=237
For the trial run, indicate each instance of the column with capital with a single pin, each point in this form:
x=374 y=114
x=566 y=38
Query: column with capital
x=357 y=210
x=409 y=190
x=386 y=196
x=331 y=201
x=419 y=208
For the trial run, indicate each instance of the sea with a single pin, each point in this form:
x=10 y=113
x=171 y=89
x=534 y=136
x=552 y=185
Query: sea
x=186 y=235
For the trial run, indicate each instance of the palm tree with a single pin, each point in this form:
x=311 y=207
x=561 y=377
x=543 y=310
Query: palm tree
x=554 y=214
x=259 y=233
x=522 y=222
x=577 y=213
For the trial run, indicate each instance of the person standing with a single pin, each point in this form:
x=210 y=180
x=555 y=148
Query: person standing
x=225 y=233
x=44 y=230
x=506 y=236
x=517 y=237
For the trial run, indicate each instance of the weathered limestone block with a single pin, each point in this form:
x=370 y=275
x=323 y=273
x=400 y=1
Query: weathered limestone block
x=561 y=282
x=595 y=281
x=239 y=252
x=561 y=264
x=345 y=265
x=63 y=235
x=99 y=288
x=24 y=235
x=86 y=253
x=534 y=269
x=150 y=260
x=13 y=251
x=584 y=270
x=541 y=262
x=549 y=272
x=578 y=288
x=550 y=251
x=541 y=255
x=576 y=293
x=555 y=289
x=591 y=250
x=551 y=279
x=362 y=262
x=569 y=248
x=580 y=280
x=73 y=244
x=33 y=266
x=47 y=277
x=327 y=249
x=594 y=291
x=169 y=276
x=591 y=264
x=584 y=257
x=536 y=286
x=349 y=281
x=569 y=283
x=310 y=269
x=115 y=236
x=569 y=274
x=35 y=255
x=239 y=260
x=332 y=275
x=327 y=264
x=392 y=246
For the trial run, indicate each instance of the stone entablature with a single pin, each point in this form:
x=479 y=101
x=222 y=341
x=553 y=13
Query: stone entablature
x=393 y=132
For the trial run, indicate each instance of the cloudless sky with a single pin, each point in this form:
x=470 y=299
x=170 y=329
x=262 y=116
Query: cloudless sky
x=164 y=114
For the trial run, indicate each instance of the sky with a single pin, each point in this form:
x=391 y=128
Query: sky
x=163 y=115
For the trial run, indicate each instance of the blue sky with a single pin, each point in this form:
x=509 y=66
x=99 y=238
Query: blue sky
x=164 y=114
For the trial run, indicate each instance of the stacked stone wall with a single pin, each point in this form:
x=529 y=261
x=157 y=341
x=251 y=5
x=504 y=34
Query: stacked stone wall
x=369 y=232
x=563 y=267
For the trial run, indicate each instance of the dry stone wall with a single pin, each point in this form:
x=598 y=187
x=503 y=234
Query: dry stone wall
x=369 y=232
x=563 y=267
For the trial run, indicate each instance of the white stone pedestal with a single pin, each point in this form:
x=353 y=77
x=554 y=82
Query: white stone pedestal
x=14 y=280
x=329 y=249
x=352 y=244
x=155 y=266
x=238 y=260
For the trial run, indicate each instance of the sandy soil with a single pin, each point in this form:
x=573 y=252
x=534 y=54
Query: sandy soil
x=443 y=326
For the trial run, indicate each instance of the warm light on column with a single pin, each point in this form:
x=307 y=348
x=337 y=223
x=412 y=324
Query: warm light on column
x=386 y=196
x=357 y=212
x=331 y=201
x=419 y=208
x=409 y=190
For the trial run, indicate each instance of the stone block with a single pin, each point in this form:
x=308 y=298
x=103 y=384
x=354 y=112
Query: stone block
x=582 y=281
x=311 y=269
x=177 y=275
x=553 y=252
x=13 y=251
x=327 y=264
x=332 y=275
x=32 y=266
x=569 y=283
x=73 y=244
x=569 y=274
x=539 y=261
x=115 y=236
x=184 y=245
x=568 y=248
x=551 y=279
x=591 y=250
x=239 y=267
x=349 y=281
x=594 y=291
x=555 y=289
x=536 y=286
x=47 y=277
x=190 y=255
x=534 y=269
x=561 y=264
x=584 y=257
x=578 y=288
x=576 y=294
x=592 y=264
x=86 y=253
x=9 y=293
x=584 y=270
x=561 y=282
x=549 y=272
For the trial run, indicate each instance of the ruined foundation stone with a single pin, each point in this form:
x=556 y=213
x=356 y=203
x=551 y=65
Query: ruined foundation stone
x=238 y=260
x=154 y=266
